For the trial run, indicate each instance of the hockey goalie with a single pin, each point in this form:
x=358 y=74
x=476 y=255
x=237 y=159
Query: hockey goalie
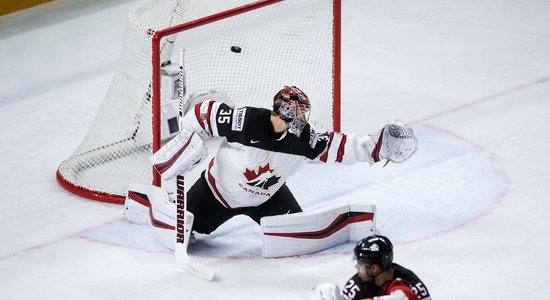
x=259 y=151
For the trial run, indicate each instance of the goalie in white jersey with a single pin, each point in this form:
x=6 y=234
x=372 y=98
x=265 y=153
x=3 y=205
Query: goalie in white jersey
x=260 y=151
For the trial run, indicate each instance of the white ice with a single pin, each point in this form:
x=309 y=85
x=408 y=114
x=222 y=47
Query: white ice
x=467 y=213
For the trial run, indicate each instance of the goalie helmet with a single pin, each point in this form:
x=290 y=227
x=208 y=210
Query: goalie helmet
x=293 y=106
x=375 y=249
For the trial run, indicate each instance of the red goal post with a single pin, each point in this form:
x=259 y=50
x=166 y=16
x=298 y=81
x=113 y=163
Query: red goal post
x=292 y=42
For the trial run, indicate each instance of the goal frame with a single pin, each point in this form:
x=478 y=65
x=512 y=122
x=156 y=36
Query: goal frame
x=156 y=61
x=158 y=35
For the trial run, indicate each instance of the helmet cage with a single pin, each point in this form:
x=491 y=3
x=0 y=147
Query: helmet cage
x=293 y=106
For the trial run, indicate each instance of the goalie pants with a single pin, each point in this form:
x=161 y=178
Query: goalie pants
x=210 y=213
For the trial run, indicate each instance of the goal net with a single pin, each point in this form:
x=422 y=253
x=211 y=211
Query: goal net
x=246 y=49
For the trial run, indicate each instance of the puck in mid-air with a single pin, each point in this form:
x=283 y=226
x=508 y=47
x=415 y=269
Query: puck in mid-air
x=236 y=49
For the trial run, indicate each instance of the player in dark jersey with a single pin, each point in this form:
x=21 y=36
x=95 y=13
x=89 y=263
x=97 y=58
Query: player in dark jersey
x=260 y=150
x=377 y=276
x=355 y=288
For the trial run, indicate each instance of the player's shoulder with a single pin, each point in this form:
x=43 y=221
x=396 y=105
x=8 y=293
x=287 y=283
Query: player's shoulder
x=254 y=112
x=405 y=274
x=250 y=117
x=400 y=270
x=392 y=286
x=409 y=277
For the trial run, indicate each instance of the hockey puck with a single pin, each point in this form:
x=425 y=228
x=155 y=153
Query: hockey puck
x=236 y=49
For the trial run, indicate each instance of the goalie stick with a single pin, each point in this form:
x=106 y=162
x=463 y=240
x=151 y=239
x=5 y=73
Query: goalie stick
x=183 y=233
x=183 y=223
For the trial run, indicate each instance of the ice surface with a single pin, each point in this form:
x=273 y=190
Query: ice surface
x=468 y=213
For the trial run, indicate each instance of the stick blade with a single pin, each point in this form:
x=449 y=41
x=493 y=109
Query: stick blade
x=200 y=270
x=194 y=267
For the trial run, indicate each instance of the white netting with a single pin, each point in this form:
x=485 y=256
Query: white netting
x=287 y=43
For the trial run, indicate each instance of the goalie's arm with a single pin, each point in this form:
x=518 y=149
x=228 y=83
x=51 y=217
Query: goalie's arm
x=204 y=120
x=394 y=142
x=210 y=119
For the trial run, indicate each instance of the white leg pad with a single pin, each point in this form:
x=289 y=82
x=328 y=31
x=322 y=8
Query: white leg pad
x=150 y=205
x=163 y=218
x=137 y=203
x=166 y=234
x=141 y=197
x=323 y=228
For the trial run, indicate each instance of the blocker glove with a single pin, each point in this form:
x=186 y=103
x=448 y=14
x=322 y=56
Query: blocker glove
x=180 y=155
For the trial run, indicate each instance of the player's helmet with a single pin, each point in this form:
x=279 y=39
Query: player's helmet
x=375 y=249
x=293 y=106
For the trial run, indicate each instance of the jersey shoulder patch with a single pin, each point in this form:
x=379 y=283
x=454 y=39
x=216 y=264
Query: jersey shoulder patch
x=238 y=119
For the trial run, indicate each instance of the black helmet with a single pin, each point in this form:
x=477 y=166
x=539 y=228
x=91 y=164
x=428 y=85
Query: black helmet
x=375 y=249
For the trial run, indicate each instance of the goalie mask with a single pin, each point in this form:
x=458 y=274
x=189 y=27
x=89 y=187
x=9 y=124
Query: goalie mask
x=293 y=106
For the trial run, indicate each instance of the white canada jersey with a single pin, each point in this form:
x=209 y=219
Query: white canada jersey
x=251 y=164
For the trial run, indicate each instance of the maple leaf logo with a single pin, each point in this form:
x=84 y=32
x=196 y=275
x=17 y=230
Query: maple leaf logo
x=263 y=178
